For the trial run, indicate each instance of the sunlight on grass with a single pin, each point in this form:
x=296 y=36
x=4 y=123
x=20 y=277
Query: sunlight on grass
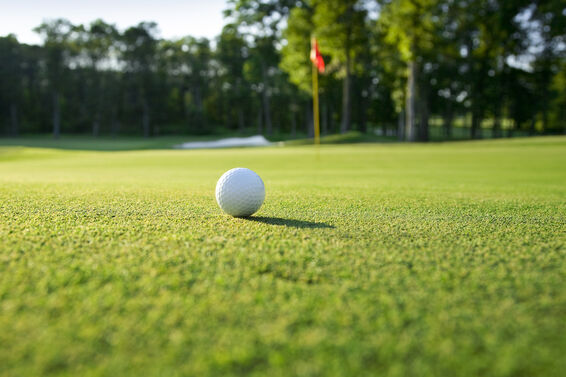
x=391 y=260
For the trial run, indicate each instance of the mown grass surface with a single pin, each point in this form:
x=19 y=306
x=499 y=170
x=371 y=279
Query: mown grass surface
x=346 y=138
x=102 y=143
x=389 y=260
x=125 y=143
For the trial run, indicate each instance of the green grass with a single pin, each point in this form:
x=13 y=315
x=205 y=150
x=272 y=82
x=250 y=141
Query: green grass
x=102 y=143
x=366 y=260
x=124 y=143
x=346 y=138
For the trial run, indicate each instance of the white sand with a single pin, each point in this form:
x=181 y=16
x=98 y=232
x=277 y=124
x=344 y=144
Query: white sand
x=252 y=141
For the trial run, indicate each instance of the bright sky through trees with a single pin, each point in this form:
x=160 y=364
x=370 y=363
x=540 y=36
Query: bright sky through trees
x=175 y=18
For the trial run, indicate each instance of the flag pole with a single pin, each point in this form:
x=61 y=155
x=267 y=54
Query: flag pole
x=315 y=104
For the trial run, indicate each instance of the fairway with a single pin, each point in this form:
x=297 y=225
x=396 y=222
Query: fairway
x=365 y=260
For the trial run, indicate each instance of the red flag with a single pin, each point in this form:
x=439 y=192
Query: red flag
x=316 y=58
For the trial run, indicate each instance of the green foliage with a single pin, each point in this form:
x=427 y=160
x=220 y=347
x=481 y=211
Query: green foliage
x=390 y=260
x=264 y=15
x=409 y=25
x=139 y=45
x=186 y=64
x=559 y=103
x=295 y=53
x=11 y=73
x=57 y=36
x=340 y=27
x=396 y=59
x=98 y=41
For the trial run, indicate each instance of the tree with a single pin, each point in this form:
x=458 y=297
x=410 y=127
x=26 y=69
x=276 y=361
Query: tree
x=96 y=44
x=259 y=21
x=139 y=46
x=340 y=26
x=411 y=26
x=295 y=53
x=388 y=62
x=56 y=35
x=259 y=71
x=295 y=58
x=232 y=54
x=549 y=19
x=11 y=74
x=187 y=63
x=200 y=59
x=558 y=104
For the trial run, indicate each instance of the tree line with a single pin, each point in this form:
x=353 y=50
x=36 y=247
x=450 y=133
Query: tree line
x=396 y=67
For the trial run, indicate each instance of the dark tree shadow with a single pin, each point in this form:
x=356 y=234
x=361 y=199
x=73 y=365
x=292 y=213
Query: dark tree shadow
x=288 y=222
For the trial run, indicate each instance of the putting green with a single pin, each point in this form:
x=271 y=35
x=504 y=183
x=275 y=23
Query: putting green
x=390 y=260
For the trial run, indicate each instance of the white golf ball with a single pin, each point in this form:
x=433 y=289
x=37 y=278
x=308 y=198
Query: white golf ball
x=240 y=192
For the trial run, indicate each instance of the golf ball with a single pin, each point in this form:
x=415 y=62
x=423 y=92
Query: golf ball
x=240 y=192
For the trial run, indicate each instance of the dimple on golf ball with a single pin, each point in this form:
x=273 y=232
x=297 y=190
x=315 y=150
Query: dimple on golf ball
x=240 y=192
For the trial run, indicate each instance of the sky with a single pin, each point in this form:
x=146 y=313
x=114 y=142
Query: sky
x=175 y=18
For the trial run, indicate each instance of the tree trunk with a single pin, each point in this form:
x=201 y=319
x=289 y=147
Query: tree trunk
x=96 y=125
x=516 y=124
x=500 y=91
x=95 y=128
x=477 y=114
x=324 y=130
x=186 y=109
x=510 y=129
x=401 y=126
x=447 y=120
x=477 y=103
x=363 y=115
x=199 y=120
x=497 y=122
x=546 y=80
x=346 y=100
x=114 y=125
x=293 y=124
x=145 y=118
x=96 y=94
x=475 y=132
x=241 y=125
x=56 y=115
x=268 y=124
x=545 y=117
x=265 y=95
x=14 y=120
x=259 y=121
x=410 y=125
x=331 y=126
x=424 y=115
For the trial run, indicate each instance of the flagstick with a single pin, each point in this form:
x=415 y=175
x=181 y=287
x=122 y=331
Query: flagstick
x=315 y=104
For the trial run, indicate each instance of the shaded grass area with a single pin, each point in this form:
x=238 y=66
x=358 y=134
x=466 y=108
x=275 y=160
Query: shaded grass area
x=293 y=223
x=392 y=260
x=124 y=143
x=101 y=143
x=346 y=138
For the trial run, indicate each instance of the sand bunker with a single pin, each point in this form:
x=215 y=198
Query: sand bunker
x=232 y=142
